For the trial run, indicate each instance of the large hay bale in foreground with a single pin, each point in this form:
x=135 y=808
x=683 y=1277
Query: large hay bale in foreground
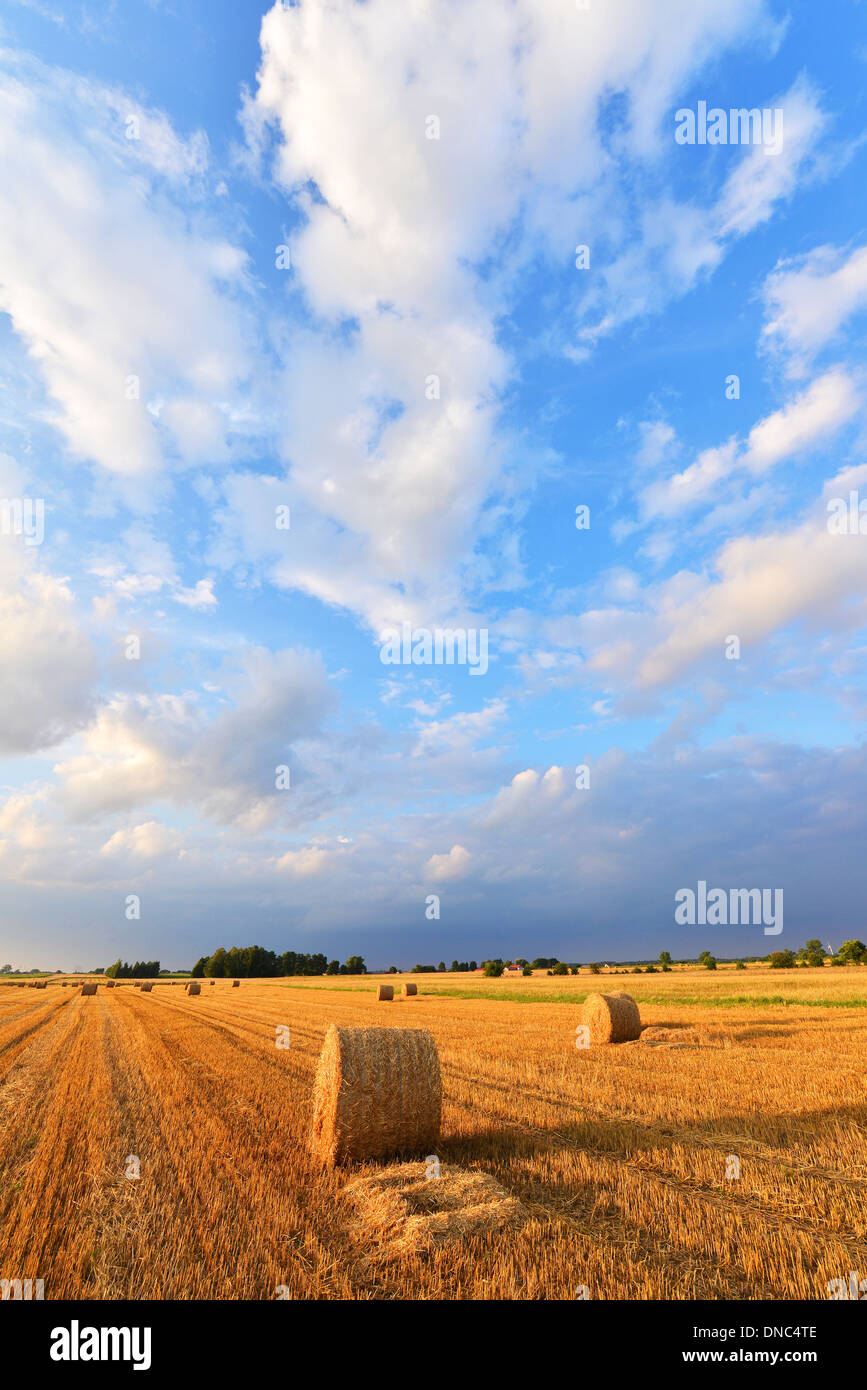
x=193 y=988
x=410 y=991
x=88 y=989
x=378 y=1092
x=146 y=989
x=385 y=991
x=611 y=1018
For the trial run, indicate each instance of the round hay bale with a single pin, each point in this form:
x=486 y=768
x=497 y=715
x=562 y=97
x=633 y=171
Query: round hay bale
x=236 y=984
x=213 y=982
x=194 y=988
x=385 y=991
x=410 y=991
x=378 y=1092
x=146 y=989
x=88 y=989
x=611 y=1018
x=109 y=984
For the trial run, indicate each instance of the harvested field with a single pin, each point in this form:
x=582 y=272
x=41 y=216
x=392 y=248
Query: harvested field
x=615 y=1156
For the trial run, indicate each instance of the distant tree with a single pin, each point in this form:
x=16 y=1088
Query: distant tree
x=527 y=970
x=651 y=970
x=442 y=967
x=455 y=967
x=473 y=965
x=355 y=965
x=545 y=962
x=392 y=970
x=5 y=969
x=595 y=968
x=560 y=969
x=781 y=960
x=710 y=962
x=740 y=966
x=665 y=958
x=333 y=967
x=853 y=952
x=215 y=965
x=493 y=969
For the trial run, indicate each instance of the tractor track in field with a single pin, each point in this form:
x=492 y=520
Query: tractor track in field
x=744 y=1144
x=744 y=1207
x=10 y=1048
x=234 y=1123
x=217 y=1023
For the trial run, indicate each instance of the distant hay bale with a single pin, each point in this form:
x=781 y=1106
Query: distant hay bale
x=385 y=991
x=236 y=984
x=414 y=1208
x=378 y=1092
x=193 y=988
x=88 y=989
x=146 y=989
x=611 y=1018
x=410 y=991
x=109 y=984
x=213 y=982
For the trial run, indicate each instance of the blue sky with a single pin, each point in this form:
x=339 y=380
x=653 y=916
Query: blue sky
x=167 y=386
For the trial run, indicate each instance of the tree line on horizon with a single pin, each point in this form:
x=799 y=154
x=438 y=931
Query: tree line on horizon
x=141 y=970
x=257 y=962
